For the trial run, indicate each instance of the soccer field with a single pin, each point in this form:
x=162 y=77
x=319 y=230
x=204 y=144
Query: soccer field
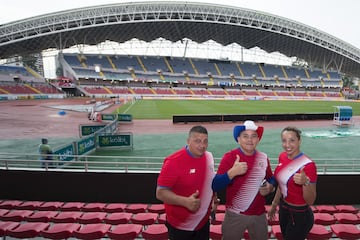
x=165 y=109
x=158 y=146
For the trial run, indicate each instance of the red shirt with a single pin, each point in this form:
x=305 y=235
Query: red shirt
x=184 y=175
x=284 y=174
x=242 y=194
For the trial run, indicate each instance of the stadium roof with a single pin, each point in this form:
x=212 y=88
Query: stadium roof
x=175 y=21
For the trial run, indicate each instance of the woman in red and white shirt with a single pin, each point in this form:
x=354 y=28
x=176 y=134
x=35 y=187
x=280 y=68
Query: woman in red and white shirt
x=296 y=175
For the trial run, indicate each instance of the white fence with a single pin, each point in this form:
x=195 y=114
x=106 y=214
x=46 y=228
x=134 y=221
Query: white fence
x=86 y=163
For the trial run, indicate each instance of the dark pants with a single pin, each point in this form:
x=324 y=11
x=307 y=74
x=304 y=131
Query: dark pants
x=48 y=163
x=177 y=234
x=295 y=222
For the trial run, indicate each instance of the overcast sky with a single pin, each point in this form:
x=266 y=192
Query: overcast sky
x=338 y=18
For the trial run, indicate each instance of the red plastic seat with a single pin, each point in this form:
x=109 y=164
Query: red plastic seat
x=144 y=218
x=72 y=206
x=324 y=218
x=60 y=230
x=10 y=204
x=5 y=226
x=346 y=209
x=346 y=231
x=92 y=217
x=156 y=208
x=118 y=218
x=319 y=232
x=215 y=232
x=136 y=208
x=350 y=218
x=93 y=207
x=3 y=212
x=162 y=218
x=314 y=209
x=155 y=232
x=220 y=208
x=125 y=231
x=276 y=231
x=219 y=218
x=67 y=217
x=16 y=215
x=27 y=230
x=50 y=206
x=92 y=231
x=114 y=207
x=29 y=205
x=41 y=216
x=326 y=209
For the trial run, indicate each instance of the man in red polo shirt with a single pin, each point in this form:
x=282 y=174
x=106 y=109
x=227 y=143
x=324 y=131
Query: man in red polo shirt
x=184 y=185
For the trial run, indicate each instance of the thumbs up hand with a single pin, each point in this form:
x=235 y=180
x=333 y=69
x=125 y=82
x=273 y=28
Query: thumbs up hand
x=193 y=201
x=300 y=177
x=238 y=168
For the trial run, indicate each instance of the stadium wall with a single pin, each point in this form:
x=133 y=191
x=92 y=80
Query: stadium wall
x=255 y=117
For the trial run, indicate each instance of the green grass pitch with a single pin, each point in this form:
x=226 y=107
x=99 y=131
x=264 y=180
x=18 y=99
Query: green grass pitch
x=165 y=109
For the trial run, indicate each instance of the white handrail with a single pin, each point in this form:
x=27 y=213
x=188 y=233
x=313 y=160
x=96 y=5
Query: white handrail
x=86 y=163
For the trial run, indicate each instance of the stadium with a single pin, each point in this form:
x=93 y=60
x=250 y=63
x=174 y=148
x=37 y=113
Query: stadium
x=99 y=70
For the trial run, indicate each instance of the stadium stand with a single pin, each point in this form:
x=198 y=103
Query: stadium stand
x=154 y=70
x=143 y=221
x=115 y=75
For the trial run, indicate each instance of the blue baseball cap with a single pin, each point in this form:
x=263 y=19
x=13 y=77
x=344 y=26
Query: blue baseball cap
x=248 y=125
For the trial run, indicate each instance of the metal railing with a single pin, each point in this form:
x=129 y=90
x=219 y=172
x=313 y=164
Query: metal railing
x=87 y=163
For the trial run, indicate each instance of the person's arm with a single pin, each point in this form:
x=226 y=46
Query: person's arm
x=167 y=196
x=214 y=204
x=266 y=189
x=270 y=183
x=222 y=180
x=274 y=204
x=309 y=192
x=309 y=189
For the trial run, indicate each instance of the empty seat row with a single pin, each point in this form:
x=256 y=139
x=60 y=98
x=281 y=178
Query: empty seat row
x=134 y=207
x=86 y=231
x=145 y=218
x=335 y=209
x=82 y=206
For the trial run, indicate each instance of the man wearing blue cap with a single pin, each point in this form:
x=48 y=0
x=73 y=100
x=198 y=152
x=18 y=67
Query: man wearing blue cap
x=246 y=173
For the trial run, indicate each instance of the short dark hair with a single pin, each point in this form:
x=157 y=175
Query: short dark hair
x=198 y=129
x=44 y=141
x=293 y=129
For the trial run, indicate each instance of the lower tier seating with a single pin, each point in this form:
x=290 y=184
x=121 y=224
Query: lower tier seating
x=62 y=220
